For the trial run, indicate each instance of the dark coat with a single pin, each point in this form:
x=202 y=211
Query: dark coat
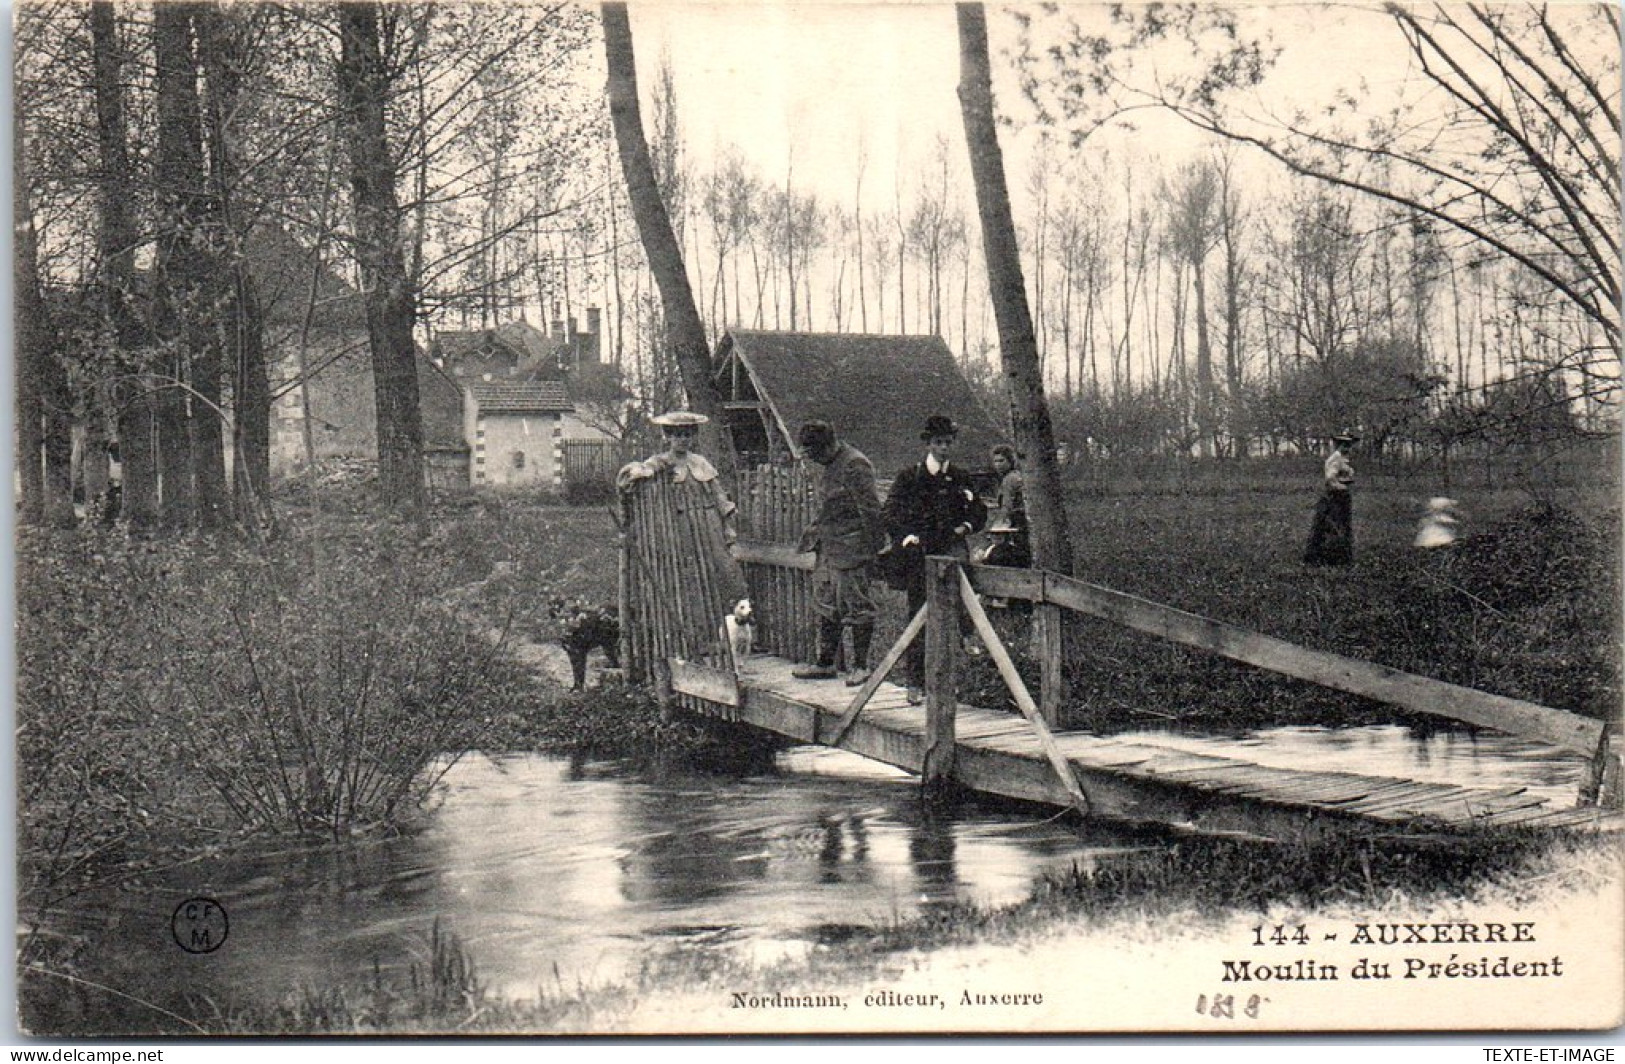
x=847 y=532
x=931 y=507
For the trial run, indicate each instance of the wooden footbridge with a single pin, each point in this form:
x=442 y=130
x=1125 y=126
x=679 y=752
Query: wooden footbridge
x=679 y=578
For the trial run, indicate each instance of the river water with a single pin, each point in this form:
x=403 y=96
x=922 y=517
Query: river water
x=558 y=874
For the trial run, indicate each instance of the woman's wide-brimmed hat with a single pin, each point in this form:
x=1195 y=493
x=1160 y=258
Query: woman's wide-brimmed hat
x=1345 y=437
x=937 y=425
x=681 y=419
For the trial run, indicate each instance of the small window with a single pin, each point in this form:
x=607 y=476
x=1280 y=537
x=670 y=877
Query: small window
x=519 y=459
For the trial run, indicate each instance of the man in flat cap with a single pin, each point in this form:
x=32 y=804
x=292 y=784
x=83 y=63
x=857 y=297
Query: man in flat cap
x=847 y=534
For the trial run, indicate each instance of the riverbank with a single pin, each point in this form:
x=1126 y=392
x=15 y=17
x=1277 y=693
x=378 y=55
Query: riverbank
x=1186 y=965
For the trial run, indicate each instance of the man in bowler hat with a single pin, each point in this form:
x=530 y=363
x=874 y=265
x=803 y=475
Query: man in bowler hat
x=932 y=508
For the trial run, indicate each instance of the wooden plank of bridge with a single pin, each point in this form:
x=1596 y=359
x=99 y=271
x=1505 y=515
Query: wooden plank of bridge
x=715 y=685
x=1024 y=700
x=1271 y=800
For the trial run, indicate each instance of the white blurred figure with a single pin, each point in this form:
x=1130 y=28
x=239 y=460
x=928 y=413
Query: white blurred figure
x=1440 y=526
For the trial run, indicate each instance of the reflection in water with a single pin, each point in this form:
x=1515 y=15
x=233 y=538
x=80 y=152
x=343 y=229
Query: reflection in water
x=563 y=871
x=569 y=872
x=931 y=854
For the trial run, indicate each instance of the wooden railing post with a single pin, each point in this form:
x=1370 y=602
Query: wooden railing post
x=941 y=677
x=1048 y=624
x=1601 y=784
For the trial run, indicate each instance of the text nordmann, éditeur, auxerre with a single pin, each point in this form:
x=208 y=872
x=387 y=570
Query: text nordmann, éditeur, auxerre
x=885 y=999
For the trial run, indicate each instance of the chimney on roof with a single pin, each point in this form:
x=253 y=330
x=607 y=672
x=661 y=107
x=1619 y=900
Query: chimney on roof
x=591 y=348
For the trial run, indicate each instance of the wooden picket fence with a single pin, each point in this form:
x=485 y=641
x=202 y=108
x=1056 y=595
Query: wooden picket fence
x=775 y=504
x=678 y=579
x=594 y=462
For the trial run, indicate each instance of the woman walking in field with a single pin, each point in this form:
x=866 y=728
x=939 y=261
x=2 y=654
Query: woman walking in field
x=1331 y=536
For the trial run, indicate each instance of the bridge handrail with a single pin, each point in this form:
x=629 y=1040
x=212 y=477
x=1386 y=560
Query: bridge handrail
x=761 y=552
x=1418 y=694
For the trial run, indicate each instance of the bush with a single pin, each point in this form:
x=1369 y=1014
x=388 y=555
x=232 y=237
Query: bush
x=320 y=700
x=185 y=691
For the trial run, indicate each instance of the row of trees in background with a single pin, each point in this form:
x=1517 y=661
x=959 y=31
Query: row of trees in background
x=1377 y=279
x=458 y=165
x=1178 y=285
x=1457 y=248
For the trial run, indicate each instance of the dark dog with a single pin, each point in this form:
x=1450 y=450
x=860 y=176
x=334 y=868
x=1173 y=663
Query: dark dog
x=585 y=628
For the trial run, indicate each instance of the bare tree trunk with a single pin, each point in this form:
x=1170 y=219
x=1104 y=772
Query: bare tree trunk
x=614 y=262
x=790 y=240
x=902 y=260
x=1018 y=347
x=1204 y=368
x=222 y=53
x=364 y=86
x=685 y=333
x=116 y=247
x=43 y=425
x=964 y=303
x=179 y=296
x=857 y=223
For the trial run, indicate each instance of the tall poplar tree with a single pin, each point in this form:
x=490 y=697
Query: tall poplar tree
x=1018 y=346
x=685 y=333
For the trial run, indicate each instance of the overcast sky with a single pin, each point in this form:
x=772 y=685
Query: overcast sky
x=809 y=83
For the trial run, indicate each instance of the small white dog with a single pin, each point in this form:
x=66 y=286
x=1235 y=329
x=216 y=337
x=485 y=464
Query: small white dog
x=739 y=633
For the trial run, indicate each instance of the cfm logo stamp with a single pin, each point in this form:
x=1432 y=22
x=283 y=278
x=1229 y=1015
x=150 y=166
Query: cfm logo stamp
x=199 y=925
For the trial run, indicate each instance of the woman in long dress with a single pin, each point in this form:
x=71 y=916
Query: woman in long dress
x=1331 y=536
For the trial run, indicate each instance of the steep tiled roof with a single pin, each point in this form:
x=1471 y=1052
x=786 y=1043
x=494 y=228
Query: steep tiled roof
x=515 y=350
x=521 y=397
x=876 y=390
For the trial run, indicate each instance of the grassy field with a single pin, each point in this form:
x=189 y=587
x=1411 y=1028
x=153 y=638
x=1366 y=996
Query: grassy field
x=1525 y=605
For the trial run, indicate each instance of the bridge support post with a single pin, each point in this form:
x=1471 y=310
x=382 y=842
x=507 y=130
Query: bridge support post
x=1602 y=784
x=1047 y=628
x=941 y=678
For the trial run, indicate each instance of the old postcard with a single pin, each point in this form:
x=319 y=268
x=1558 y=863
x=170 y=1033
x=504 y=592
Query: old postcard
x=693 y=519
